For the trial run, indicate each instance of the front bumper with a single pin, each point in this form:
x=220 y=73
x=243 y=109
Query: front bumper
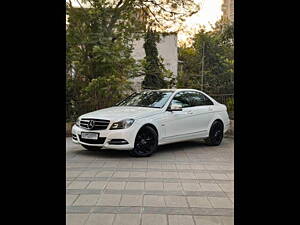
x=106 y=136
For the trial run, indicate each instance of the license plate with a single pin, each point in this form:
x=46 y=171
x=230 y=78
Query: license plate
x=92 y=136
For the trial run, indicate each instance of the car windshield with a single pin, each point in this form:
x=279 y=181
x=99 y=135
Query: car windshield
x=152 y=99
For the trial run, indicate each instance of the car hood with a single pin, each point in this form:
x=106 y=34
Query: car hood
x=118 y=113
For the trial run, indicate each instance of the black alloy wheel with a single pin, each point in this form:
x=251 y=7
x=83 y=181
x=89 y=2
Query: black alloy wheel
x=216 y=134
x=145 y=142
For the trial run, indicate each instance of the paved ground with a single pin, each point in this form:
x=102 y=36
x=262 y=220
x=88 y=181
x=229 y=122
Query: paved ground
x=182 y=184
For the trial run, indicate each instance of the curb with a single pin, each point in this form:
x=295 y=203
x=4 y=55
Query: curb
x=230 y=131
x=69 y=129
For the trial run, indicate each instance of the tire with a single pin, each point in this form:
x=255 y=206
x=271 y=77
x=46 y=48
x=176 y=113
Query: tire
x=216 y=134
x=145 y=142
x=91 y=148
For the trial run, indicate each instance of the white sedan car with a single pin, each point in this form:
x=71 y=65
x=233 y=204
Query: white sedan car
x=150 y=118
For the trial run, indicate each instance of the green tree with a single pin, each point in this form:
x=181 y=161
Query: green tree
x=98 y=55
x=218 y=67
x=100 y=34
x=187 y=70
x=153 y=66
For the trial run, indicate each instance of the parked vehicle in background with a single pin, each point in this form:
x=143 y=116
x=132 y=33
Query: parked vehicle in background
x=150 y=118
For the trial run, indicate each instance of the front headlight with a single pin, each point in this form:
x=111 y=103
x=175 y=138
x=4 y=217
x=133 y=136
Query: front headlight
x=77 y=122
x=122 y=124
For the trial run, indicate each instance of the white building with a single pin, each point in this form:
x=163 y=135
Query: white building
x=228 y=9
x=167 y=49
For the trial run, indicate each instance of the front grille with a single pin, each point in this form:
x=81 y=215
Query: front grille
x=99 y=124
x=100 y=140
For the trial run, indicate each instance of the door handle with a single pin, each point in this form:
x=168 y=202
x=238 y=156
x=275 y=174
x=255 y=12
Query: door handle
x=189 y=112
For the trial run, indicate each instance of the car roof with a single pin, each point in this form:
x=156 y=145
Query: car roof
x=178 y=89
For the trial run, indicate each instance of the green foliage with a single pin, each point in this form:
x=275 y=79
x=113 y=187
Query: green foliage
x=230 y=104
x=230 y=107
x=99 y=61
x=166 y=15
x=153 y=66
x=96 y=93
x=99 y=46
x=218 y=71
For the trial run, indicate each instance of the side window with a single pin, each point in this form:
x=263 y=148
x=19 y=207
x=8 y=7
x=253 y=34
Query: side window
x=198 y=99
x=181 y=98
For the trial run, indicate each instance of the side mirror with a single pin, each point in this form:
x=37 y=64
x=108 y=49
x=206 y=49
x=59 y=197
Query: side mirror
x=175 y=107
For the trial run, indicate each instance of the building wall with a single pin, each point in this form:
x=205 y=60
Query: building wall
x=167 y=49
x=228 y=9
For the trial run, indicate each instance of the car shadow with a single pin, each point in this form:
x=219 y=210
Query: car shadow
x=174 y=147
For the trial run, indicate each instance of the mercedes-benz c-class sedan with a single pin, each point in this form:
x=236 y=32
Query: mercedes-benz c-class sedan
x=145 y=120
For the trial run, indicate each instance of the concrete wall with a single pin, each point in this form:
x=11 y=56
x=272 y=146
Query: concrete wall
x=167 y=49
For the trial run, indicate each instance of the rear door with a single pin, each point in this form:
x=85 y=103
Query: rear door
x=202 y=111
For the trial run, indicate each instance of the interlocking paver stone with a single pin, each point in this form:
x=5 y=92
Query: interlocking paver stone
x=127 y=219
x=227 y=187
x=181 y=220
x=96 y=185
x=72 y=173
x=88 y=174
x=219 y=176
x=154 y=200
x=201 y=202
x=115 y=185
x=70 y=199
x=220 y=202
x=85 y=200
x=100 y=219
x=231 y=196
x=227 y=220
x=171 y=166
x=154 y=174
x=187 y=176
x=76 y=219
x=154 y=219
x=186 y=183
x=131 y=200
x=104 y=174
x=78 y=185
x=170 y=175
x=191 y=187
x=154 y=186
x=134 y=186
x=210 y=187
x=204 y=176
x=121 y=174
x=137 y=174
x=183 y=166
x=172 y=187
x=175 y=201
x=142 y=164
x=109 y=200
x=207 y=220
x=230 y=175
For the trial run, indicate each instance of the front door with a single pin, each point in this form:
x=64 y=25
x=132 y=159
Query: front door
x=178 y=123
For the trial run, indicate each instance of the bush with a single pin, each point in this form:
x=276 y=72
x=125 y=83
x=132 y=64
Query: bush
x=230 y=107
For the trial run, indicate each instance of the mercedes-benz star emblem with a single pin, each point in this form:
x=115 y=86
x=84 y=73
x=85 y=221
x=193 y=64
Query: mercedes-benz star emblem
x=91 y=124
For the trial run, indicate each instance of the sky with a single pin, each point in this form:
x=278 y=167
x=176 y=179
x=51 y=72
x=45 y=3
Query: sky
x=210 y=12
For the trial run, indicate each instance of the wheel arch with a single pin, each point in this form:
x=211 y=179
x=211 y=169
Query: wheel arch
x=216 y=119
x=150 y=125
